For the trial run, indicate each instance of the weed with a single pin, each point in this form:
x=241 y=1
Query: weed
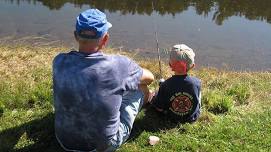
x=241 y=93
x=206 y=117
x=217 y=102
x=1 y=108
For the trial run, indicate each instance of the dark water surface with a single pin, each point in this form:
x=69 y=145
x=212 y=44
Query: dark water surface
x=233 y=34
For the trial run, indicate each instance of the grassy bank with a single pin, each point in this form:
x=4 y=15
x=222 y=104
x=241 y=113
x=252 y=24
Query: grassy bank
x=236 y=113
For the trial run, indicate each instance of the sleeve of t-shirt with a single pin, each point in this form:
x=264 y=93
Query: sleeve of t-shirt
x=160 y=99
x=57 y=63
x=199 y=92
x=134 y=74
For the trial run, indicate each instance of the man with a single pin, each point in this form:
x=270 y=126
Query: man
x=96 y=96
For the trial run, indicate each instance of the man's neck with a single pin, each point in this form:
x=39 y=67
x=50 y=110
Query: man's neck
x=88 y=50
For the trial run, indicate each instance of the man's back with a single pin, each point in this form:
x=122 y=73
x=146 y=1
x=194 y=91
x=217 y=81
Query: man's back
x=88 y=92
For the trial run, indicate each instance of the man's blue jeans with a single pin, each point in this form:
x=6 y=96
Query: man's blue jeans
x=131 y=104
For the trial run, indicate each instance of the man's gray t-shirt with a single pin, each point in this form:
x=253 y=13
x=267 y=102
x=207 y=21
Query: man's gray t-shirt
x=88 y=90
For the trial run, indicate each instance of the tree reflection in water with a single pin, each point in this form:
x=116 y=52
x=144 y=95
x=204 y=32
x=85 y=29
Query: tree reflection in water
x=223 y=9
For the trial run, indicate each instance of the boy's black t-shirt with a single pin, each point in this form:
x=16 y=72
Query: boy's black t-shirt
x=179 y=97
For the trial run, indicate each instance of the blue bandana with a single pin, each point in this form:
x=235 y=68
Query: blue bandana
x=92 y=24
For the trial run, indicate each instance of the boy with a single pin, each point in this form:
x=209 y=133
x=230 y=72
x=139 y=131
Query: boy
x=179 y=96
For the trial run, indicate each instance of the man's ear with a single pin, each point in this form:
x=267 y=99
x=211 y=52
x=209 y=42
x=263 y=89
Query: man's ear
x=75 y=36
x=105 y=39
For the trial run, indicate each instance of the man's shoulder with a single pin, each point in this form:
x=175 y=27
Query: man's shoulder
x=119 y=57
x=122 y=60
x=59 y=57
x=62 y=57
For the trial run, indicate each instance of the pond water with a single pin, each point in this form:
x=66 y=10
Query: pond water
x=224 y=34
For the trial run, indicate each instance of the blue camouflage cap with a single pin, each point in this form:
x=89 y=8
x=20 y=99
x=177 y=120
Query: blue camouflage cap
x=92 y=24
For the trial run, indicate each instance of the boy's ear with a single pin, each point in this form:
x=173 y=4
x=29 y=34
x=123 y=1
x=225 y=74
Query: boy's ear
x=191 y=67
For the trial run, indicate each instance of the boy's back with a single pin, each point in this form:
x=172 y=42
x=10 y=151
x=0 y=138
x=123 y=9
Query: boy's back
x=179 y=98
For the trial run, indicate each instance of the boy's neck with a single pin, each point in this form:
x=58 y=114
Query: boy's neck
x=178 y=73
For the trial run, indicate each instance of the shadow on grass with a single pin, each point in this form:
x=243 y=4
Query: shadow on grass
x=38 y=134
x=152 y=121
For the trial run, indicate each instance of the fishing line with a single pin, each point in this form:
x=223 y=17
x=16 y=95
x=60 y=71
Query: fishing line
x=161 y=80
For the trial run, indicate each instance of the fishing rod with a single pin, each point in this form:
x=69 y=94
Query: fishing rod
x=161 y=79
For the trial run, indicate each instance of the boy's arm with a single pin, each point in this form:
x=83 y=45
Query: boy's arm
x=159 y=102
x=158 y=109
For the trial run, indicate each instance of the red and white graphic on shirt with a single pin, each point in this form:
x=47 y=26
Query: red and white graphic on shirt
x=181 y=104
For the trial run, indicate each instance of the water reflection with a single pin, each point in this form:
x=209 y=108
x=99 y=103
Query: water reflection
x=251 y=9
x=242 y=42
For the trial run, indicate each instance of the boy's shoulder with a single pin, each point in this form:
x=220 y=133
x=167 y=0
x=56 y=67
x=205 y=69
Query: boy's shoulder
x=196 y=79
x=188 y=78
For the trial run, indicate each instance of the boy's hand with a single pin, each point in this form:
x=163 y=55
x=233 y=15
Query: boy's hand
x=159 y=110
x=151 y=96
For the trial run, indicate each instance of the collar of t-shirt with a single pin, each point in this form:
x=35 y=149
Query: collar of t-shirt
x=83 y=54
x=180 y=76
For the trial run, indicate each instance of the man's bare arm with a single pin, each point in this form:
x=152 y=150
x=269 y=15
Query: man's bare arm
x=146 y=79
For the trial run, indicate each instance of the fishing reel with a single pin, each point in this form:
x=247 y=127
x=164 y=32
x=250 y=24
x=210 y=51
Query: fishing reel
x=161 y=81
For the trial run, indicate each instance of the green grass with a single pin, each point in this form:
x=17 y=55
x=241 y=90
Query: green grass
x=236 y=114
